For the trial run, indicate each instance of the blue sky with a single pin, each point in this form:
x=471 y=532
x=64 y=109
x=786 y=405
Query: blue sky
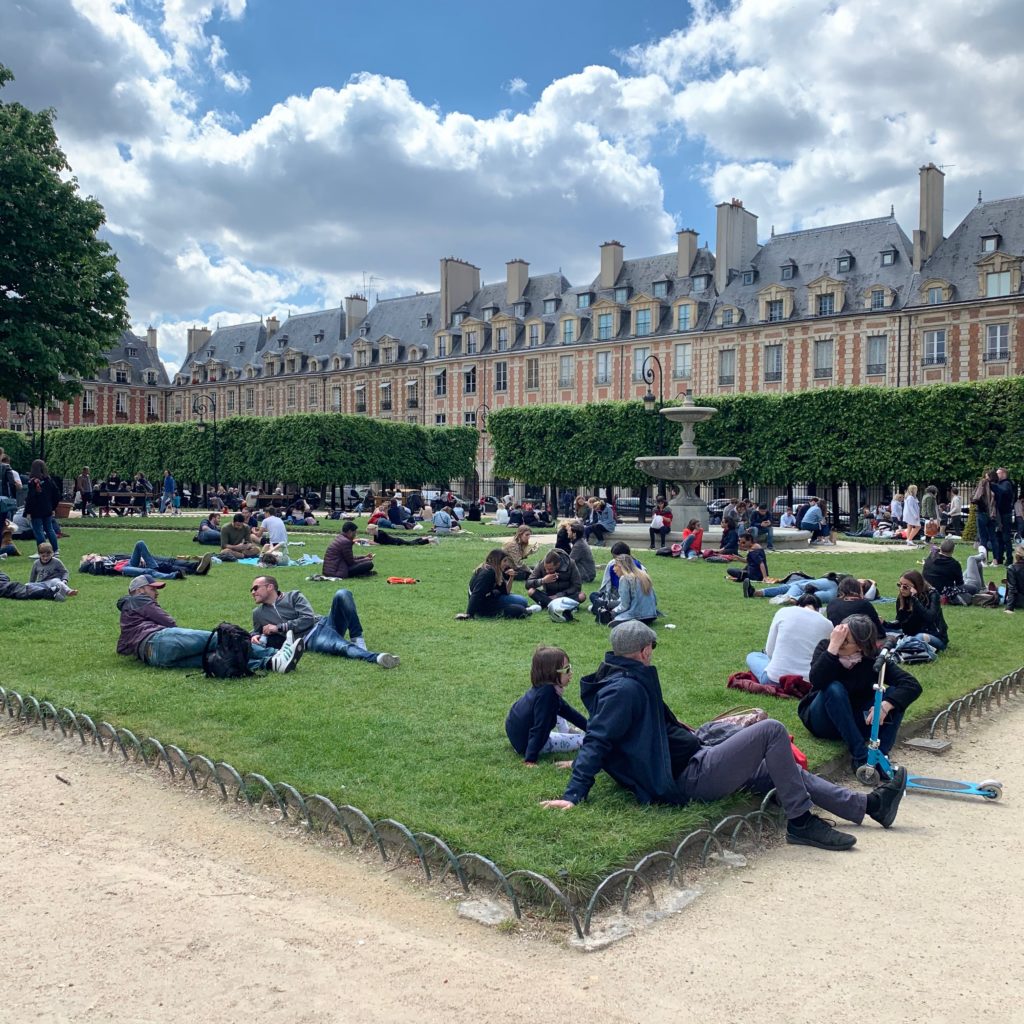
x=259 y=157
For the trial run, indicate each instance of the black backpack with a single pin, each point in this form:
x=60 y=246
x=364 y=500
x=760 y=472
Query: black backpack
x=7 y=488
x=230 y=658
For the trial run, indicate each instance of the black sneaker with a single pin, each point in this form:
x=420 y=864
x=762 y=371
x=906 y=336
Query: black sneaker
x=820 y=834
x=748 y=588
x=889 y=796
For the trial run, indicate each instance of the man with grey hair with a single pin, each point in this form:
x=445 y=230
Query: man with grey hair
x=639 y=742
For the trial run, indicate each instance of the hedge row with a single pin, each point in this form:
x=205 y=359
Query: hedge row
x=16 y=445
x=827 y=435
x=308 y=449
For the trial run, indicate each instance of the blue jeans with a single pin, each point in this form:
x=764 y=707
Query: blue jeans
x=986 y=532
x=45 y=530
x=831 y=716
x=757 y=662
x=165 y=500
x=328 y=635
x=177 y=647
x=767 y=534
x=824 y=589
x=513 y=605
x=208 y=537
x=143 y=563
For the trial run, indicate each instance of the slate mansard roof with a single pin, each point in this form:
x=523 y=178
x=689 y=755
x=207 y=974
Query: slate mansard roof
x=142 y=361
x=814 y=253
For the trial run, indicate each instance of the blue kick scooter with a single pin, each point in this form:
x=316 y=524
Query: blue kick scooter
x=867 y=773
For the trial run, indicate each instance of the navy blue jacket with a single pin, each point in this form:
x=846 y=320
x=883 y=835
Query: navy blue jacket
x=627 y=735
x=532 y=718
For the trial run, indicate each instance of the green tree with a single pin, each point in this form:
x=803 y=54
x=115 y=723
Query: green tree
x=62 y=300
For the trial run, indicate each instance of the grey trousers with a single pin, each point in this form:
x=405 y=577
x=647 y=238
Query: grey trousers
x=758 y=758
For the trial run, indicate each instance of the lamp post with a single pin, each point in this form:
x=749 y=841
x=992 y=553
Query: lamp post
x=22 y=407
x=201 y=404
x=655 y=405
x=480 y=418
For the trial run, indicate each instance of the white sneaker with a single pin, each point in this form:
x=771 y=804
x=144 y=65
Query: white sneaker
x=983 y=551
x=533 y=608
x=360 y=642
x=778 y=599
x=288 y=656
x=388 y=660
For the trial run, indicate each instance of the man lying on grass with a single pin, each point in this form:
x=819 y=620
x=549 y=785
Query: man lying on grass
x=149 y=633
x=641 y=744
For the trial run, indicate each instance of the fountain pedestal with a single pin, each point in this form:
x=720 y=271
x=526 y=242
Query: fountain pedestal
x=686 y=469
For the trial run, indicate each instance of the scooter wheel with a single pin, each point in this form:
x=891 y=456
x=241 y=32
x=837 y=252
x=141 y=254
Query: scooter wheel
x=990 y=789
x=867 y=775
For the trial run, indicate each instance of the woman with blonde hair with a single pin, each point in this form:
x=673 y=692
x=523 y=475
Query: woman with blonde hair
x=517 y=549
x=636 y=593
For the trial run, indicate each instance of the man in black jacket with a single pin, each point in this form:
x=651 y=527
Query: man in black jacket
x=1004 y=491
x=639 y=742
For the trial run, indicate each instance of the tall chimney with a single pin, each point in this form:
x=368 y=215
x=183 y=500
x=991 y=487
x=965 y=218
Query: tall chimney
x=356 y=308
x=272 y=325
x=151 y=337
x=687 y=251
x=930 y=215
x=611 y=263
x=197 y=338
x=517 y=276
x=460 y=281
x=735 y=240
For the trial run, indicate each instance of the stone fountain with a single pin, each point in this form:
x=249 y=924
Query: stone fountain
x=687 y=469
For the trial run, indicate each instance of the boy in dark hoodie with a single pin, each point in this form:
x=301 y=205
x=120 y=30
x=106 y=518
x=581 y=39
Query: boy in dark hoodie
x=639 y=742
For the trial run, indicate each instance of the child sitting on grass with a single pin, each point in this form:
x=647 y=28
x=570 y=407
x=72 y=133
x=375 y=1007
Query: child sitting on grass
x=541 y=722
x=51 y=571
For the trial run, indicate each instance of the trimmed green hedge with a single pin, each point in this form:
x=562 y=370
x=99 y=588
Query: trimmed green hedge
x=310 y=448
x=16 y=445
x=833 y=435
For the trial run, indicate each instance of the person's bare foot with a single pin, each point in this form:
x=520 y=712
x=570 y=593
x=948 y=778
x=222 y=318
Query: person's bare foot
x=72 y=593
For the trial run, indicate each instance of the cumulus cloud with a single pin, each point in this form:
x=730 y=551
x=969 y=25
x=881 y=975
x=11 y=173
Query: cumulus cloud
x=816 y=110
x=515 y=86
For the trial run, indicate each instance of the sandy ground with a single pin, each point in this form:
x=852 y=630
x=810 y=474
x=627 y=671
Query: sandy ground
x=128 y=900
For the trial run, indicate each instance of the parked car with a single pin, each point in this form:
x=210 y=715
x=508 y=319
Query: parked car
x=716 y=508
x=489 y=503
x=630 y=507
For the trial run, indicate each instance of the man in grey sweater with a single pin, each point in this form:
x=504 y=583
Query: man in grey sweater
x=276 y=614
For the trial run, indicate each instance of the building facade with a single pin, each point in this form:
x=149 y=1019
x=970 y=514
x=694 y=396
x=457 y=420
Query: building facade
x=850 y=304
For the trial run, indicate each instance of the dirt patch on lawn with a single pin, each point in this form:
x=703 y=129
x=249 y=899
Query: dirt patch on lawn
x=129 y=900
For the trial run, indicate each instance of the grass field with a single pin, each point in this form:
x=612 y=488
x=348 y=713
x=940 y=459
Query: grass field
x=425 y=743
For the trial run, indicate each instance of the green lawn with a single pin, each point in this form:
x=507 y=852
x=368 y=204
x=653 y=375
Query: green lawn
x=425 y=743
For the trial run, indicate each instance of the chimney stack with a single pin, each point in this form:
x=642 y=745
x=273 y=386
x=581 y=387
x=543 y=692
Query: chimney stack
x=929 y=232
x=272 y=325
x=687 y=251
x=611 y=263
x=735 y=240
x=151 y=337
x=197 y=338
x=517 y=276
x=460 y=281
x=356 y=308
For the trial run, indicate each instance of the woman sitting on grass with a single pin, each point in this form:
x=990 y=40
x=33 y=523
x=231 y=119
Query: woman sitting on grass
x=1015 y=581
x=517 y=549
x=636 y=593
x=919 y=611
x=541 y=722
x=693 y=538
x=490 y=589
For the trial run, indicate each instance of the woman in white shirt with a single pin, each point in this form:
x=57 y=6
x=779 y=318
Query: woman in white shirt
x=912 y=514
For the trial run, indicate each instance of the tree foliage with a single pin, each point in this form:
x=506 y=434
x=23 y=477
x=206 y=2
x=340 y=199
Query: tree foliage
x=14 y=443
x=307 y=449
x=62 y=300
x=829 y=436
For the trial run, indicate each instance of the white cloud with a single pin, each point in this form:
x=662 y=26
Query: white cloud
x=515 y=86
x=820 y=110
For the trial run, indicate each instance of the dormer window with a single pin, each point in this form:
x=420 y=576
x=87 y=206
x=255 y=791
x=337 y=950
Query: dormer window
x=470 y=343
x=844 y=264
x=748 y=277
x=362 y=357
x=239 y=349
x=888 y=257
x=281 y=342
x=120 y=375
x=519 y=310
x=487 y=314
x=788 y=271
x=622 y=294
x=150 y=377
x=727 y=316
x=457 y=319
x=661 y=289
x=989 y=243
x=700 y=283
x=583 y=300
x=550 y=305
x=425 y=320
x=318 y=337
x=131 y=352
x=387 y=354
x=365 y=329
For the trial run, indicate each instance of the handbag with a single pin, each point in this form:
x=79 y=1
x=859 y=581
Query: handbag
x=657 y=522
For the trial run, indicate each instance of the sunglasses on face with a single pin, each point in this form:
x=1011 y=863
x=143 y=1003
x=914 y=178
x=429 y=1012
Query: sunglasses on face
x=564 y=671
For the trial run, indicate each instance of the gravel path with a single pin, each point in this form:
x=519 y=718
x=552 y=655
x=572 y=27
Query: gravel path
x=130 y=901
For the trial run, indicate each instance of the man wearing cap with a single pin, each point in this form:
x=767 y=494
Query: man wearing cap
x=639 y=742
x=277 y=615
x=149 y=633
